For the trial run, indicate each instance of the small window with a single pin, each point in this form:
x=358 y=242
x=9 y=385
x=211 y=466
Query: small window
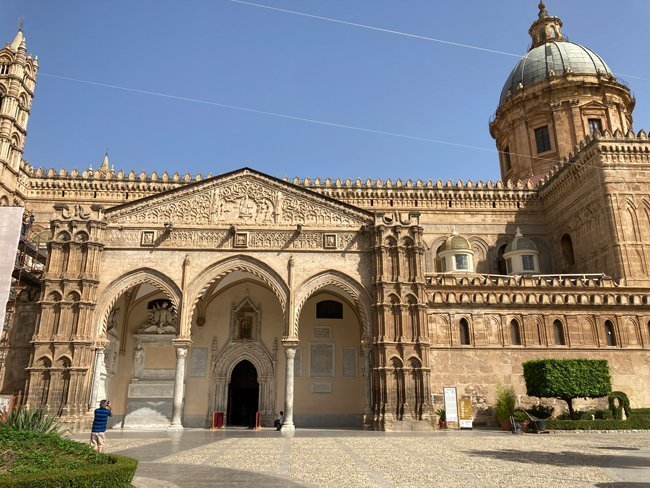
x=329 y=309
x=509 y=264
x=543 y=139
x=558 y=333
x=566 y=245
x=515 y=333
x=595 y=125
x=610 y=336
x=528 y=262
x=461 y=261
x=464 y=332
x=507 y=162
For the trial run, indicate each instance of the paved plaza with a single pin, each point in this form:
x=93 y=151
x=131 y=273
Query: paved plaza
x=345 y=458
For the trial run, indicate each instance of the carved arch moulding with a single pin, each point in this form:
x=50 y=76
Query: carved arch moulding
x=344 y=283
x=214 y=273
x=122 y=284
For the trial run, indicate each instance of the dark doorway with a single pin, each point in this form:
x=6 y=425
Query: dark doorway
x=243 y=394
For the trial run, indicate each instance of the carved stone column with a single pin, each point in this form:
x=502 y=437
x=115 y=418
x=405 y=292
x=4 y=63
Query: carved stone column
x=367 y=379
x=179 y=385
x=290 y=354
x=99 y=360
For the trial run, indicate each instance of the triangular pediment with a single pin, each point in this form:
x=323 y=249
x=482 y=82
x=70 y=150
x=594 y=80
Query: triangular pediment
x=245 y=198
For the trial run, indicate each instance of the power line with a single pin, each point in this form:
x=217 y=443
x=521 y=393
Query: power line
x=295 y=117
x=381 y=29
x=399 y=33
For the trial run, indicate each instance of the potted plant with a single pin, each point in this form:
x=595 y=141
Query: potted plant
x=505 y=406
x=522 y=419
x=442 y=418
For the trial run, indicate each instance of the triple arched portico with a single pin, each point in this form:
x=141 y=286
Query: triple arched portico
x=266 y=317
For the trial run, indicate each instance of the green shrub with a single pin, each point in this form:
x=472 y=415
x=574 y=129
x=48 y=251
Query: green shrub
x=34 y=459
x=506 y=401
x=567 y=379
x=520 y=415
x=36 y=420
x=596 y=413
x=541 y=411
x=631 y=423
x=117 y=473
x=617 y=407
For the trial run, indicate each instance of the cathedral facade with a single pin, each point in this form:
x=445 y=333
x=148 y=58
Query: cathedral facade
x=185 y=299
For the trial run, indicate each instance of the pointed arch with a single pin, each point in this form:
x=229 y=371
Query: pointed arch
x=219 y=270
x=120 y=285
x=344 y=283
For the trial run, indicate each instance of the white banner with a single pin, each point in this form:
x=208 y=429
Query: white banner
x=11 y=220
x=451 y=405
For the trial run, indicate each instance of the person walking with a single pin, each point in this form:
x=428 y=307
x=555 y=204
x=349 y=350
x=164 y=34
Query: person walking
x=98 y=432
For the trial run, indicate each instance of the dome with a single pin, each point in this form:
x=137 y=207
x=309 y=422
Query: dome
x=553 y=58
x=456 y=242
x=520 y=243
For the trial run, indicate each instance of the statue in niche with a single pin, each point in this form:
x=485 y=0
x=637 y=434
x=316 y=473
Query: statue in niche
x=160 y=319
x=138 y=361
x=245 y=328
x=111 y=322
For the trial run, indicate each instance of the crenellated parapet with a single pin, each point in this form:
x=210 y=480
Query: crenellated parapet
x=542 y=290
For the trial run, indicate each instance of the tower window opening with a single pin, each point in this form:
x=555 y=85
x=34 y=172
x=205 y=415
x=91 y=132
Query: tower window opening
x=543 y=139
x=4 y=69
x=515 y=333
x=461 y=261
x=610 y=335
x=566 y=246
x=507 y=162
x=464 y=332
x=595 y=125
x=558 y=333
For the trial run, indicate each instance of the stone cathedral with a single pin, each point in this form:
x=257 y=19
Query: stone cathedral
x=343 y=303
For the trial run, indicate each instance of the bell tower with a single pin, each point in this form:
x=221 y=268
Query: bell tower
x=17 y=82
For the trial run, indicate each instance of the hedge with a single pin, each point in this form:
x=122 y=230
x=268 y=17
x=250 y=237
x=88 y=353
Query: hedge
x=623 y=404
x=632 y=423
x=118 y=473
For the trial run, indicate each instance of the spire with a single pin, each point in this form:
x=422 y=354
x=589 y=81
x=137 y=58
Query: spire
x=545 y=28
x=105 y=168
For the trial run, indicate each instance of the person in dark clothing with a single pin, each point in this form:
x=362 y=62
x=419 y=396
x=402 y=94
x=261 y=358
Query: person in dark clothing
x=97 y=434
x=279 y=420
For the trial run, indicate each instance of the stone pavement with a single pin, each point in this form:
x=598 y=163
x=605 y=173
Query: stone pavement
x=348 y=458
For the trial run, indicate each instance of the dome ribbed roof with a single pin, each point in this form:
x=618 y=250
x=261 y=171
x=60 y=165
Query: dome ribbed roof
x=456 y=242
x=520 y=243
x=559 y=58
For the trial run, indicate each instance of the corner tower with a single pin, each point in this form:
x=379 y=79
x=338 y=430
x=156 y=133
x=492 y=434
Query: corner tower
x=556 y=95
x=17 y=81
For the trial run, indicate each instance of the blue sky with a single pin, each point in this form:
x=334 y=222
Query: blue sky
x=229 y=53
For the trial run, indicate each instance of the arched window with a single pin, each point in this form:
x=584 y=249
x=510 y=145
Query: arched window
x=558 y=333
x=398 y=388
x=515 y=333
x=610 y=334
x=501 y=262
x=567 y=251
x=464 y=332
x=329 y=309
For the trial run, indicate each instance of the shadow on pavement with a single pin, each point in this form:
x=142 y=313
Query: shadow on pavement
x=566 y=458
x=622 y=484
x=193 y=476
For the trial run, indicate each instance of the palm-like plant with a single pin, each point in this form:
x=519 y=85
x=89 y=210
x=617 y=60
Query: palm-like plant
x=20 y=418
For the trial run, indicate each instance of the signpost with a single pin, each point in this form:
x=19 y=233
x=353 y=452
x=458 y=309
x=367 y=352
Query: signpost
x=465 y=408
x=451 y=407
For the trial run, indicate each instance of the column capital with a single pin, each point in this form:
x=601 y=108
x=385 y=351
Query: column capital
x=290 y=342
x=182 y=342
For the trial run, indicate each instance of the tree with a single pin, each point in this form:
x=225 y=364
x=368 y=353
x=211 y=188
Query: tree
x=567 y=379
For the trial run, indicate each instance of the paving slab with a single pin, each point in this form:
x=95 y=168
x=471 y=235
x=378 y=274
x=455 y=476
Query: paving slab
x=348 y=458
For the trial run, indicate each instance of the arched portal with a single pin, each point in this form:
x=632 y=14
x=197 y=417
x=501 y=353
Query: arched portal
x=243 y=395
